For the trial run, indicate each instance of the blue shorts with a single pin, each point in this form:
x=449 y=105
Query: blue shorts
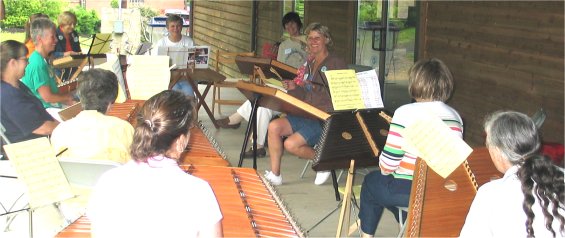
x=310 y=129
x=184 y=87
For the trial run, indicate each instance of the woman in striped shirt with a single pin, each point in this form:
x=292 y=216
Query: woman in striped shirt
x=430 y=85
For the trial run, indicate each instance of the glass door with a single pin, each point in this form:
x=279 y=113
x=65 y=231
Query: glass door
x=386 y=41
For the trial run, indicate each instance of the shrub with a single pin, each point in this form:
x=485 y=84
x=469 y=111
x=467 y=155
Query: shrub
x=87 y=21
x=369 y=11
x=18 y=11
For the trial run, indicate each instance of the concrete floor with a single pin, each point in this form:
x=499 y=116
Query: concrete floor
x=306 y=202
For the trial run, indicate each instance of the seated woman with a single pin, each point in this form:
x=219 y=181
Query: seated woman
x=175 y=38
x=23 y=115
x=291 y=52
x=529 y=200
x=67 y=41
x=39 y=76
x=28 y=42
x=92 y=134
x=303 y=133
x=151 y=196
x=431 y=84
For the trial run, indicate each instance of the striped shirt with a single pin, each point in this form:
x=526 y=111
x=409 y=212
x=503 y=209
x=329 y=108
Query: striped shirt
x=394 y=160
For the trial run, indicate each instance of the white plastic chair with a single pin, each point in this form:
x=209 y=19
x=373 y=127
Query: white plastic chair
x=84 y=172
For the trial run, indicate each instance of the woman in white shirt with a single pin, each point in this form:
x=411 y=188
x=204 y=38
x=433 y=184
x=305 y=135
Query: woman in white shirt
x=528 y=200
x=150 y=196
x=175 y=38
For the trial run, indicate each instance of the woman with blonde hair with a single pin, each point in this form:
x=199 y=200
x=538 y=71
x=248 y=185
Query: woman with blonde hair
x=310 y=87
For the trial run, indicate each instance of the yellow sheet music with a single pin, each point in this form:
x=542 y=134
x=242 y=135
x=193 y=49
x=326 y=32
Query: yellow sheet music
x=36 y=165
x=147 y=76
x=101 y=43
x=345 y=90
x=435 y=143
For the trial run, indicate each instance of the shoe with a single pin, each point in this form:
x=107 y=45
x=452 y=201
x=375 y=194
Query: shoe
x=272 y=178
x=322 y=177
x=261 y=152
x=225 y=123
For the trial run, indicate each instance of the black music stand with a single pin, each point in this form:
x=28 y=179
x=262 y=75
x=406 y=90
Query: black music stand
x=277 y=100
x=260 y=67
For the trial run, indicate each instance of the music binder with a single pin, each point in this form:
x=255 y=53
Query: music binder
x=246 y=65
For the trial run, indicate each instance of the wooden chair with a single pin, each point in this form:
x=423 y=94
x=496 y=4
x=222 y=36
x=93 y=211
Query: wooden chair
x=224 y=58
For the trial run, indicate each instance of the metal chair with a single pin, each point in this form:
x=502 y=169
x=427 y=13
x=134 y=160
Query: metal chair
x=401 y=222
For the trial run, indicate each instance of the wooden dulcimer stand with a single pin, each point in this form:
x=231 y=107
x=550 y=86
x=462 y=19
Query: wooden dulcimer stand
x=260 y=95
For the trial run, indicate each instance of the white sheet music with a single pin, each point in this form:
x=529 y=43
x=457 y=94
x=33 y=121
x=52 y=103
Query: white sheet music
x=113 y=64
x=38 y=168
x=370 y=89
x=147 y=75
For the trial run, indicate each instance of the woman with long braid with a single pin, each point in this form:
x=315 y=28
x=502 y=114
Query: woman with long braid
x=529 y=199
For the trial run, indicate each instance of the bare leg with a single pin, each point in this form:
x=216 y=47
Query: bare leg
x=277 y=129
x=296 y=144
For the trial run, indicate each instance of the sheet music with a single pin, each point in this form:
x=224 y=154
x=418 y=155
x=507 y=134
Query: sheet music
x=113 y=64
x=344 y=89
x=183 y=56
x=274 y=83
x=100 y=43
x=370 y=89
x=36 y=165
x=147 y=76
x=435 y=143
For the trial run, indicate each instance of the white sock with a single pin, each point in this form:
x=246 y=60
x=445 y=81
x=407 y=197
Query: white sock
x=235 y=118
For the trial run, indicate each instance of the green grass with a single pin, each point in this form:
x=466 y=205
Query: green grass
x=407 y=35
x=19 y=36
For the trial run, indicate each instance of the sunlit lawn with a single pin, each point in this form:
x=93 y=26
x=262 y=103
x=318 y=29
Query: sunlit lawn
x=19 y=36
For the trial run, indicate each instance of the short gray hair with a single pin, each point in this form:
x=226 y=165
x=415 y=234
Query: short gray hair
x=513 y=133
x=97 y=89
x=39 y=26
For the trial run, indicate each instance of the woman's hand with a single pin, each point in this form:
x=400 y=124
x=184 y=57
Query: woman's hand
x=71 y=53
x=289 y=84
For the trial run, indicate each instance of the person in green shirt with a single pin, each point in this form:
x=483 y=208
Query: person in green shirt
x=39 y=75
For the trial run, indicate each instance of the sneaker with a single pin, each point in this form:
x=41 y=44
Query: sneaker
x=261 y=152
x=272 y=178
x=322 y=177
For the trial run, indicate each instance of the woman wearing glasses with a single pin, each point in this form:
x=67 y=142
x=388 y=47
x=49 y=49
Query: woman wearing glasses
x=23 y=115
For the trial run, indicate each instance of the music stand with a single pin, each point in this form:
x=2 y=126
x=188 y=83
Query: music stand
x=271 y=68
x=273 y=99
x=99 y=46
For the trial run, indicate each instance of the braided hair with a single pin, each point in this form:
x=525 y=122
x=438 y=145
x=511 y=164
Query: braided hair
x=517 y=138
